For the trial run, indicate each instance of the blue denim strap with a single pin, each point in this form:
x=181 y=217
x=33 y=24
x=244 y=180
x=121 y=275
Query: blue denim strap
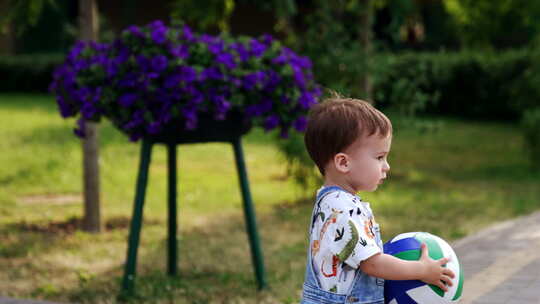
x=325 y=191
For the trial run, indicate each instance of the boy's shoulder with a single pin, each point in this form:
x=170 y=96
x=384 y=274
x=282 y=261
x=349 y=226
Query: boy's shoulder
x=340 y=198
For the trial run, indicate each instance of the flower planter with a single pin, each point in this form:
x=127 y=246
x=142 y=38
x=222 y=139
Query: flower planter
x=228 y=130
x=208 y=130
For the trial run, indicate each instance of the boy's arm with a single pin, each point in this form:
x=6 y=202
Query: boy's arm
x=426 y=269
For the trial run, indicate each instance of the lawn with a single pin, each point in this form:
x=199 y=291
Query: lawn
x=449 y=177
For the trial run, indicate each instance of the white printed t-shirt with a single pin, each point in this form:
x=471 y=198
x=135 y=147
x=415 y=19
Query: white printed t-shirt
x=343 y=233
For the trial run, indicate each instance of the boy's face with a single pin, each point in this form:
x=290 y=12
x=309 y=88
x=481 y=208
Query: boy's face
x=367 y=162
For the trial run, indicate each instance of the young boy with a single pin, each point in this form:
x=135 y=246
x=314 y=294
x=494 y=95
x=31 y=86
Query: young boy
x=349 y=141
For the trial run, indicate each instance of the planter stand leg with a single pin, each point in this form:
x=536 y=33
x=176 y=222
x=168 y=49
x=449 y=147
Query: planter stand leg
x=172 y=262
x=136 y=221
x=249 y=213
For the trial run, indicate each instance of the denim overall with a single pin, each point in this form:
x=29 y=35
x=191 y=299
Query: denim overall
x=365 y=289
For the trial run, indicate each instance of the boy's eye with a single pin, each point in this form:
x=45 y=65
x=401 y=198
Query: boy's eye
x=380 y=157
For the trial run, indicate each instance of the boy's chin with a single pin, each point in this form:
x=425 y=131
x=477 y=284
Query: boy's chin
x=371 y=189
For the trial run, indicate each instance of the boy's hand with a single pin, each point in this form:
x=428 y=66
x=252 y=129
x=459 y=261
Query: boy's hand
x=434 y=273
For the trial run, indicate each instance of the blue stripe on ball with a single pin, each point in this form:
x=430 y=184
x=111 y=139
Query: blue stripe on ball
x=402 y=245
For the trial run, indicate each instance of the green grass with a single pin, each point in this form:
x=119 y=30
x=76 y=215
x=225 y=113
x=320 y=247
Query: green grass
x=450 y=180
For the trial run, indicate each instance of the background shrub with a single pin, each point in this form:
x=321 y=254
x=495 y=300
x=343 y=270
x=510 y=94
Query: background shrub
x=28 y=73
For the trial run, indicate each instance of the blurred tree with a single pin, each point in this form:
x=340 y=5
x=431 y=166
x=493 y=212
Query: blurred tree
x=27 y=12
x=24 y=13
x=495 y=24
x=205 y=15
x=88 y=26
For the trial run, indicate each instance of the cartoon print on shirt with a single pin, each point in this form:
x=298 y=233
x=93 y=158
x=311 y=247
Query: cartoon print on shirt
x=349 y=247
x=331 y=220
x=339 y=234
x=343 y=274
x=319 y=214
x=335 y=262
x=368 y=227
x=362 y=242
x=343 y=230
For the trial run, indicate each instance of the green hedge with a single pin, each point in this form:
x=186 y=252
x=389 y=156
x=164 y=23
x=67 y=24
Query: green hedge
x=28 y=73
x=465 y=84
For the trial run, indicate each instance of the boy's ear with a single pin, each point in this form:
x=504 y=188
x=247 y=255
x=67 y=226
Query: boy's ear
x=341 y=161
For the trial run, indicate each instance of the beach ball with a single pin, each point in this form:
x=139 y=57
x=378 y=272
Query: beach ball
x=406 y=246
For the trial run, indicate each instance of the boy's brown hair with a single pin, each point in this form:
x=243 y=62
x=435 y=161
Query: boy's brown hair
x=334 y=124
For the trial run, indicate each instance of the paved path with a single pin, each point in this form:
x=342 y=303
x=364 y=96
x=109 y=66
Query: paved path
x=501 y=264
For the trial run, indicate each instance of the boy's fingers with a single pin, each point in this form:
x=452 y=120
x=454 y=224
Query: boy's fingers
x=449 y=273
x=442 y=286
x=424 y=249
x=444 y=261
x=447 y=280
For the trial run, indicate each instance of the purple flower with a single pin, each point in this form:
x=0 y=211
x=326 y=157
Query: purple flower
x=159 y=35
x=79 y=131
x=188 y=34
x=159 y=63
x=143 y=62
x=271 y=122
x=136 y=119
x=206 y=38
x=149 y=77
x=190 y=116
x=300 y=124
x=227 y=60
x=123 y=55
x=65 y=108
x=241 y=51
x=88 y=110
x=302 y=62
x=135 y=31
x=154 y=127
x=235 y=81
x=187 y=74
x=127 y=99
x=299 y=77
x=157 y=24
x=267 y=39
x=129 y=80
x=76 y=51
x=272 y=81
x=172 y=81
x=180 y=51
x=306 y=100
x=257 y=48
x=281 y=59
x=211 y=73
x=221 y=106
x=250 y=81
x=111 y=68
x=80 y=65
x=215 y=48
x=253 y=110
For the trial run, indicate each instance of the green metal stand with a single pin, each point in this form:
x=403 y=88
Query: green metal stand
x=128 y=284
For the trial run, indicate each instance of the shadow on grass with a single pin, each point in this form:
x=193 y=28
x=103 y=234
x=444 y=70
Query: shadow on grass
x=215 y=263
x=25 y=238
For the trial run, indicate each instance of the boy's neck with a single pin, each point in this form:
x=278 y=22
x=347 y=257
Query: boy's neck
x=333 y=181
